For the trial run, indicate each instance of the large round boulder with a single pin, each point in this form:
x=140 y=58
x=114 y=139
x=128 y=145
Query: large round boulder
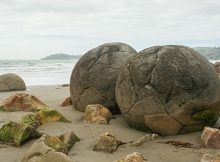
x=94 y=76
x=168 y=90
x=11 y=82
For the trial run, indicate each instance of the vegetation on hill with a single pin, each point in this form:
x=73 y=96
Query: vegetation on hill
x=211 y=53
x=61 y=56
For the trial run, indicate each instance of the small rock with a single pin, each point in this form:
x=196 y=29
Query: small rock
x=22 y=101
x=44 y=116
x=107 y=143
x=16 y=134
x=51 y=148
x=134 y=157
x=65 y=85
x=142 y=140
x=11 y=82
x=62 y=143
x=211 y=137
x=210 y=158
x=207 y=158
x=97 y=114
x=66 y=102
x=69 y=139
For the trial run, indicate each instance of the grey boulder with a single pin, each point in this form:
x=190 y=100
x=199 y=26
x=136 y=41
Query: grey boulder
x=168 y=90
x=11 y=82
x=94 y=76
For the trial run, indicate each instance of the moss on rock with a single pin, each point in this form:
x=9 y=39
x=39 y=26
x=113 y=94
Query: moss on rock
x=2 y=108
x=205 y=116
x=56 y=144
x=16 y=133
x=50 y=115
x=44 y=116
x=31 y=119
x=62 y=143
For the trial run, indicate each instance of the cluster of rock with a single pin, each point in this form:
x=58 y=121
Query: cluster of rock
x=163 y=89
x=17 y=133
x=45 y=149
x=55 y=148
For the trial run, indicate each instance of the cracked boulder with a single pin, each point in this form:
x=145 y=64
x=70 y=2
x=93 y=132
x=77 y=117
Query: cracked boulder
x=16 y=134
x=97 y=114
x=51 y=148
x=107 y=143
x=168 y=90
x=11 y=82
x=22 y=101
x=94 y=76
x=46 y=115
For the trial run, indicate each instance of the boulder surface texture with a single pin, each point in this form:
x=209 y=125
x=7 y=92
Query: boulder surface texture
x=94 y=76
x=168 y=90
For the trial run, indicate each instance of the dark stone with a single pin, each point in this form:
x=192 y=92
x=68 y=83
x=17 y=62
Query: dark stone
x=94 y=76
x=164 y=87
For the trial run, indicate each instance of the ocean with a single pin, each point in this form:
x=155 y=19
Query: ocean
x=40 y=72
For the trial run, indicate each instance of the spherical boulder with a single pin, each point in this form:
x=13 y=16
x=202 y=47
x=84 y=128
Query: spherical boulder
x=168 y=90
x=11 y=82
x=94 y=76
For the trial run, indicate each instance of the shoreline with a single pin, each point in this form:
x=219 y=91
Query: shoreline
x=53 y=95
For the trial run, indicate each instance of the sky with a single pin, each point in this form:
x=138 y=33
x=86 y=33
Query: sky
x=32 y=29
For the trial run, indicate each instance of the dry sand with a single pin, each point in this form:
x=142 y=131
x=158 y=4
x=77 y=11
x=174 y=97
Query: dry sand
x=88 y=133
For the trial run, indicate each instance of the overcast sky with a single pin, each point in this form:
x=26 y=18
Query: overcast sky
x=32 y=29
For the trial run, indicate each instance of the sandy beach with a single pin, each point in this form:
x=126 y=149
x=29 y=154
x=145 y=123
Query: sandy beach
x=88 y=133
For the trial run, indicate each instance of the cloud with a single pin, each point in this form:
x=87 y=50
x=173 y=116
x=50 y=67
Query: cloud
x=33 y=28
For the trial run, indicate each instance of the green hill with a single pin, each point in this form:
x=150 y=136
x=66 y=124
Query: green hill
x=211 y=53
x=61 y=56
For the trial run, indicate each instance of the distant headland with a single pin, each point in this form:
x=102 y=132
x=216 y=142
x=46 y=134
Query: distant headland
x=61 y=56
x=211 y=53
